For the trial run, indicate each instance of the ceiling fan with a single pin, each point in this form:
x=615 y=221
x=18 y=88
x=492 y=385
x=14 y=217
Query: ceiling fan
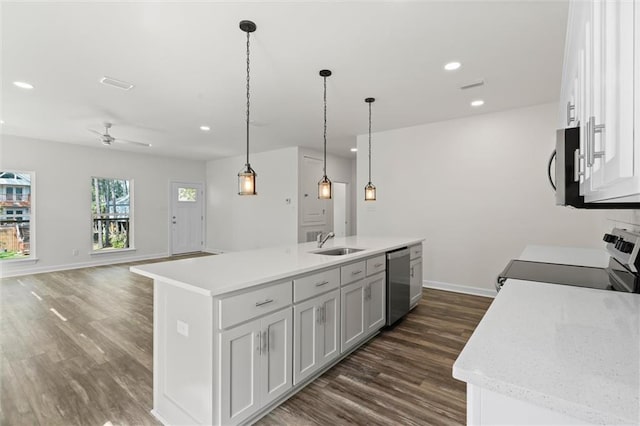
x=107 y=139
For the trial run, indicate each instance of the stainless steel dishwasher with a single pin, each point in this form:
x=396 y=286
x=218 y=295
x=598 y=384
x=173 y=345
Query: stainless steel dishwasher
x=398 y=283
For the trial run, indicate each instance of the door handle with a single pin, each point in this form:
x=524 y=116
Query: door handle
x=259 y=348
x=264 y=302
x=594 y=129
x=570 y=109
x=320 y=284
x=266 y=341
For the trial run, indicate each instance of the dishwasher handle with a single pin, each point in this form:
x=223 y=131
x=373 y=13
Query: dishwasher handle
x=397 y=253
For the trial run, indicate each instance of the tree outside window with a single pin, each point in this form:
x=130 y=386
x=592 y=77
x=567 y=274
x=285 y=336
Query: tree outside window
x=110 y=209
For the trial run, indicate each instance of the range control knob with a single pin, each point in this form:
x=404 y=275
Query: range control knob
x=610 y=238
x=619 y=243
x=626 y=247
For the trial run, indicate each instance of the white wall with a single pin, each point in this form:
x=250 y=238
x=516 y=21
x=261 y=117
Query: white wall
x=339 y=169
x=237 y=222
x=476 y=189
x=63 y=199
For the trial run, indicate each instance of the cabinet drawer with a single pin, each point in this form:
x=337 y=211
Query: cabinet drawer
x=245 y=306
x=311 y=285
x=416 y=251
x=376 y=264
x=352 y=272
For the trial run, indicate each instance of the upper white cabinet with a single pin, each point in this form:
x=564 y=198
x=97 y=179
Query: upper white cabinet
x=599 y=94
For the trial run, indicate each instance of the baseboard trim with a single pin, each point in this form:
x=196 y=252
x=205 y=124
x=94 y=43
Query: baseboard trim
x=4 y=273
x=458 y=288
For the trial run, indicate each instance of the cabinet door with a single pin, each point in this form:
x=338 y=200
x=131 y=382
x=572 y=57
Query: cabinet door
x=610 y=126
x=276 y=363
x=376 y=306
x=306 y=326
x=352 y=312
x=416 y=282
x=329 y=336
x=240 y=347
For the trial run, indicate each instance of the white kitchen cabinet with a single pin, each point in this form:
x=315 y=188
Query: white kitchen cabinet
x=600 y=93
x=415 y=282
x=415 y=275
x=352 y=314
x=375 y=303
x=316 y=325
x=256 y=365
x=363 y=309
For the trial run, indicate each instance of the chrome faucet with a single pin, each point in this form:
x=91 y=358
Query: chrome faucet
x=321 y=240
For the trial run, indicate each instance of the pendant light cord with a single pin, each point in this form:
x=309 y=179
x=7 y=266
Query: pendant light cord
x=369 y=142
x=248 y=103
x=324 y=167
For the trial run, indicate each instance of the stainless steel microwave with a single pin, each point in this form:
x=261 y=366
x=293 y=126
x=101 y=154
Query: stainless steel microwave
x=567 y=177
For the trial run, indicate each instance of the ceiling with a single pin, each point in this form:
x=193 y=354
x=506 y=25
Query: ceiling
x=187 y=62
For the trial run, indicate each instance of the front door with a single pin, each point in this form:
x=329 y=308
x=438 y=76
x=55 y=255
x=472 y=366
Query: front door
x=187 y=217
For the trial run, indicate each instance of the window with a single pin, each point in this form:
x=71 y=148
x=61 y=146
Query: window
x=187 y=195
x=111 y=213
x=16 y=215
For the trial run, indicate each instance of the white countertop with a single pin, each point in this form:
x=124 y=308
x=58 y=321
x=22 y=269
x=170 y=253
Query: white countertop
x=570 y=349
x=233 y=271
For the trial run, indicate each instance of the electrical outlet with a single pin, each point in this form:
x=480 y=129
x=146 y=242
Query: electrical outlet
x=183 y=328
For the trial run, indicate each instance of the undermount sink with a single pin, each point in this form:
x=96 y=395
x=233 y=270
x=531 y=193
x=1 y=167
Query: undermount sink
x=337 y=251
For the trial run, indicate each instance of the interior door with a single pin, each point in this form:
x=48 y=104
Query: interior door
x=340 y=209
x=313 y=209
x=187 y=217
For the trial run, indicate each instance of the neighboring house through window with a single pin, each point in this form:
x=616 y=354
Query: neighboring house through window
x=16 y=217
x=111 y=214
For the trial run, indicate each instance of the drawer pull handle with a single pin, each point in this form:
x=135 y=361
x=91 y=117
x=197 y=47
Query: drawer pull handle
x=320 y=284
x=377 y=265
x=264 y=302
x=356 y=272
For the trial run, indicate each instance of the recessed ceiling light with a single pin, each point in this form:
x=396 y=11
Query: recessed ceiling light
x=477 y=103
x=354 y=149
x=23 y=85
x=1 y=121
x=205 y=128
x=452 y=66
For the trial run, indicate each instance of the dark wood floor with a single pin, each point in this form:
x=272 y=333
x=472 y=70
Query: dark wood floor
x=76 y=349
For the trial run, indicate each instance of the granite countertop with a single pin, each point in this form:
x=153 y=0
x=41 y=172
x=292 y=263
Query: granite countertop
x=234 y=271
x=572 y=350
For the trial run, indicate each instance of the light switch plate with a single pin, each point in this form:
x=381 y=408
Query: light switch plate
x=183 y=328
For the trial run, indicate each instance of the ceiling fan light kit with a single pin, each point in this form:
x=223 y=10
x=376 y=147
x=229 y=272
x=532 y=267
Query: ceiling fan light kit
x=107 y=139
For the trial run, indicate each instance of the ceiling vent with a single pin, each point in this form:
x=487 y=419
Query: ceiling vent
x=473 y=84
x=108 y=81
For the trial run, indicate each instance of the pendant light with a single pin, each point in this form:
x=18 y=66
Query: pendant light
x=370 y=189
x=324 y=186
x=247 y=176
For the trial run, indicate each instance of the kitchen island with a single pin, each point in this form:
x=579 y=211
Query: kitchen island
x=237 y=334
x=554 y=354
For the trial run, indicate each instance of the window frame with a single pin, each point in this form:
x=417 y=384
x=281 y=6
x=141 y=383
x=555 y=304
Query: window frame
x=131 y=237
x=32 y=217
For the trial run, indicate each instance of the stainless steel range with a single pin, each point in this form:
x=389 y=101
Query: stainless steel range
x=621 y=275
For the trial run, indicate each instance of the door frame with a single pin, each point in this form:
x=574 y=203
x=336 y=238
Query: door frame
x=170 y=211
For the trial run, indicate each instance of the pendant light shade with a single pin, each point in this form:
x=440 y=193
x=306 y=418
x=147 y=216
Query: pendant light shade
x=324 y=186
x=247 y=176
x=370 y=189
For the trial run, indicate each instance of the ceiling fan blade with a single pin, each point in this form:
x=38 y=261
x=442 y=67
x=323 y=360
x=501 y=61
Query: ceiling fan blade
x=132 y=142
x=96 y=132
